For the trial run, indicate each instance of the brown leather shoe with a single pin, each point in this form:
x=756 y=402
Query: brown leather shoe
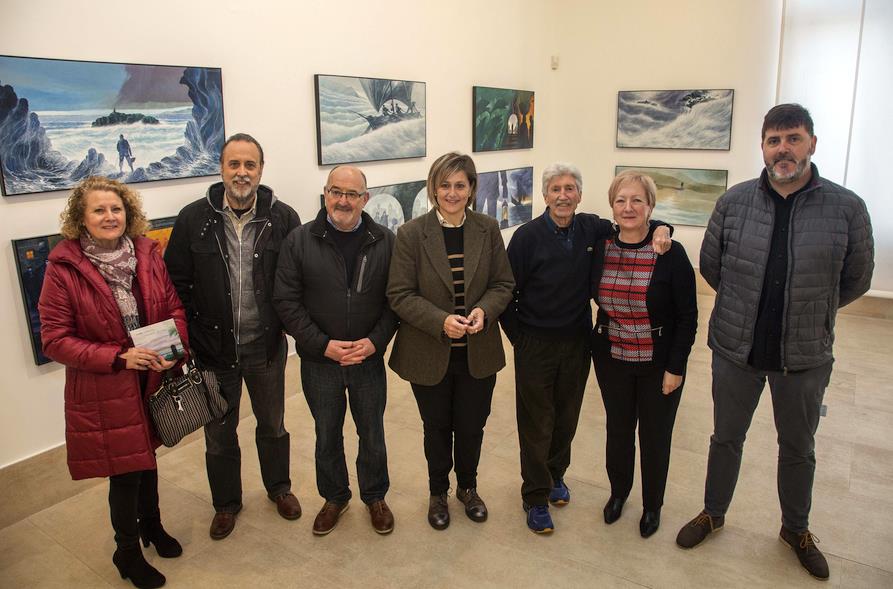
x=382 y=518
x=288 y=506
x=328 y=516
x=223 y=523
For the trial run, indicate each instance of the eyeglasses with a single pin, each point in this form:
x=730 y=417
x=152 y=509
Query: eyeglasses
x=350 y=194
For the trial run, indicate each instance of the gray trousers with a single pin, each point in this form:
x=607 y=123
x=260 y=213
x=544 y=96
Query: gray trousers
x=796 y=402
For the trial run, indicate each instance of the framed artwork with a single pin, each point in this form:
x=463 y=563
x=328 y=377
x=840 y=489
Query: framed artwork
x=685 y=196
x=675 y=119
x=31 y=256
x=63 y=120
x=506 y=195
x=501 y=119
x=394 y=204
x=368 y=119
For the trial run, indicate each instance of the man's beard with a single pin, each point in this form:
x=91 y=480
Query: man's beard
x=242 y=196
x=799 y=169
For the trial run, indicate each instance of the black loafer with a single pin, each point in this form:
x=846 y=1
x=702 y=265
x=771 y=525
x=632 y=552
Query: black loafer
x=649 y=523
x=613 y=509
x=438 y=512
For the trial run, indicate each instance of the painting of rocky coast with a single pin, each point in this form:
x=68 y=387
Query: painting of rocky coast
x=62 y=121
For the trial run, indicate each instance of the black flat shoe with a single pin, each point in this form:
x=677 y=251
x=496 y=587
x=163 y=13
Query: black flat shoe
x=438 y=512
x=613 y=509
x=649 y=523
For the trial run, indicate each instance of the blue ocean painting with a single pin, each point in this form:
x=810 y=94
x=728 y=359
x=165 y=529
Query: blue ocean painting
x=685 y=196
x=369 y=119
x=675 y=119
x=61 y=121
x=506 y=195
x=395 y=204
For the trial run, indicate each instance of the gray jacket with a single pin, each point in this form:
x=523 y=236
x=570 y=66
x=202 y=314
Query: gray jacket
x=830 y=262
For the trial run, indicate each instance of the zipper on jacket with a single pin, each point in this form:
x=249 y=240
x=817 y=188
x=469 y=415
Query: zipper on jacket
x=362 y=271
x=229 y=278
x=787 y=286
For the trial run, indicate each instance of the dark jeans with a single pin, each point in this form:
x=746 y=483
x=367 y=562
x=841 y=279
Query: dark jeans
x=266 y=390
x=796 y=402
x=459 y=404
x=635 y=393
x=550 y=377
x=132 y=496
x=366 y=385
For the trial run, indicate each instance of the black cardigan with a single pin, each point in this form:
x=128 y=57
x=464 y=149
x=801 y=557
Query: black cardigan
x=672 y=305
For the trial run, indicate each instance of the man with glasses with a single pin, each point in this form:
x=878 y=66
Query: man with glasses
x=222 y=259
x=330 y=294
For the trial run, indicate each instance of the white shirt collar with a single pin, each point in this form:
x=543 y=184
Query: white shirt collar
x=446 y=223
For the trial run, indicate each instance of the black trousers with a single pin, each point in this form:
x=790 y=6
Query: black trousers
x=550 y=377
x=458 y=406
x=132 y=496
x=634 y=393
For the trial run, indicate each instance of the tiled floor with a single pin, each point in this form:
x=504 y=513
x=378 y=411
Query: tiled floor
x=70 y=543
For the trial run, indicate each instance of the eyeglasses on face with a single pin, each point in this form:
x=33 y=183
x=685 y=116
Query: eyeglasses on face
x=351 y=195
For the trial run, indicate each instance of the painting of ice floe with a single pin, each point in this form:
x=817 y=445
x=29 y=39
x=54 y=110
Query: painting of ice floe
x=675 y=119
x=684 y=196
x=368 y=119
x=62 y=121
x=506 y=195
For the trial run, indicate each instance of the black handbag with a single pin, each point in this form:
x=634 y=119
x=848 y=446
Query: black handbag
x=185 y=402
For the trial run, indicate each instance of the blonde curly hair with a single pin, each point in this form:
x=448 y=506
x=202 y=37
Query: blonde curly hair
x=72 y=217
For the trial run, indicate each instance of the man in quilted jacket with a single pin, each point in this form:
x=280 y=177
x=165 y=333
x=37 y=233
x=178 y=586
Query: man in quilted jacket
x=783 y=252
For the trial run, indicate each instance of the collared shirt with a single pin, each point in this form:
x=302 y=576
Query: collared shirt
x=335 y=227
x=766 y=351
x=445 y=223
x=565 y=235
x=240 y=237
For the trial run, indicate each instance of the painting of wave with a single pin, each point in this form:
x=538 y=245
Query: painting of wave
x=506 y=195
x=685 y=196
x=62 y=121
x=368 y=119
x=675 y=119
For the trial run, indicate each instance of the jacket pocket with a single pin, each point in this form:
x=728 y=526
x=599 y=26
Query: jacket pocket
x=205 y=335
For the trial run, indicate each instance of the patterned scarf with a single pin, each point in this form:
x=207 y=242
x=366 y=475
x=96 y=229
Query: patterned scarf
x=118 y=267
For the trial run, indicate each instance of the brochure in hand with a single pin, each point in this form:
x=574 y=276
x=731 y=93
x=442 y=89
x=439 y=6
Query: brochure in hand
x=162 y=337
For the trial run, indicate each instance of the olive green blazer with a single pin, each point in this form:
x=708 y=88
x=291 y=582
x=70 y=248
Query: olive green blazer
x=420 y=291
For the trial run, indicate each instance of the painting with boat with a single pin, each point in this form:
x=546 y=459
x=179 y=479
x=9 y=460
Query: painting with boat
x=685 y=196
x=368 y=119
x=675 y=119
x=62 y=121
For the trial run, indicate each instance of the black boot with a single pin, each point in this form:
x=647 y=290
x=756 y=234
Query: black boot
x=132 y=565
x=151 y=532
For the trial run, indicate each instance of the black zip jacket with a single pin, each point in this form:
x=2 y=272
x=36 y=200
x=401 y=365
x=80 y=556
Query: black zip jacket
x=196 y=259
x=314 y=299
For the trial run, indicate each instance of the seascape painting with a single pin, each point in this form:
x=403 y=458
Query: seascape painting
x=684 y=196
x=675 y=119
x=31 y=256
x=502 y=119
x=368 y=119
x=62 y=121
x=506 y=195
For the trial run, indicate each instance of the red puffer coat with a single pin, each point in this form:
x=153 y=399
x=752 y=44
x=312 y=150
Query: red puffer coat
x=107 y=427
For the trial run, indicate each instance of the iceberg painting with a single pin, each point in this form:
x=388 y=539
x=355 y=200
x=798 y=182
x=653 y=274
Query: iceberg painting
x=675 y=119
x=368 y=119
x=62 y=121
x=506 y=195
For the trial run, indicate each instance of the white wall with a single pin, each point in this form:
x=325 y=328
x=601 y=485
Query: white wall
x=270 y=51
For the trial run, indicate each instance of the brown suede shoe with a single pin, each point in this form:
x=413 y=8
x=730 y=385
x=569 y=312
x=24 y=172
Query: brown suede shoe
x=382 y=518
x=697 y=530
x=809 y=555
x=328 y=516
x=288 y=506
x=223 y=523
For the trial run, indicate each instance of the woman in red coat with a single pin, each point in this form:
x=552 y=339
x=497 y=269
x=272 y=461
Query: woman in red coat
x=102 y=281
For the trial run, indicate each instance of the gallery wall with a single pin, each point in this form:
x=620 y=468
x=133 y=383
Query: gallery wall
x=269 y=52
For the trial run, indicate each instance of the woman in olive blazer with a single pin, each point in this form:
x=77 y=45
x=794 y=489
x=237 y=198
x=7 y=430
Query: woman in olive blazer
x=450 y=279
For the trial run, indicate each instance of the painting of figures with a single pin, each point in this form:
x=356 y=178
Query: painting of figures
x=393 y=205
x=506 y=195
x=502 y=119
x=368 y=119
x=31 y=256
x=675 y=119
x=684 y=196
x=61 y=121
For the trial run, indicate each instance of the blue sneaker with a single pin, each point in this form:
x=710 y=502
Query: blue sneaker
x=538 y=519
x=560 y=495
